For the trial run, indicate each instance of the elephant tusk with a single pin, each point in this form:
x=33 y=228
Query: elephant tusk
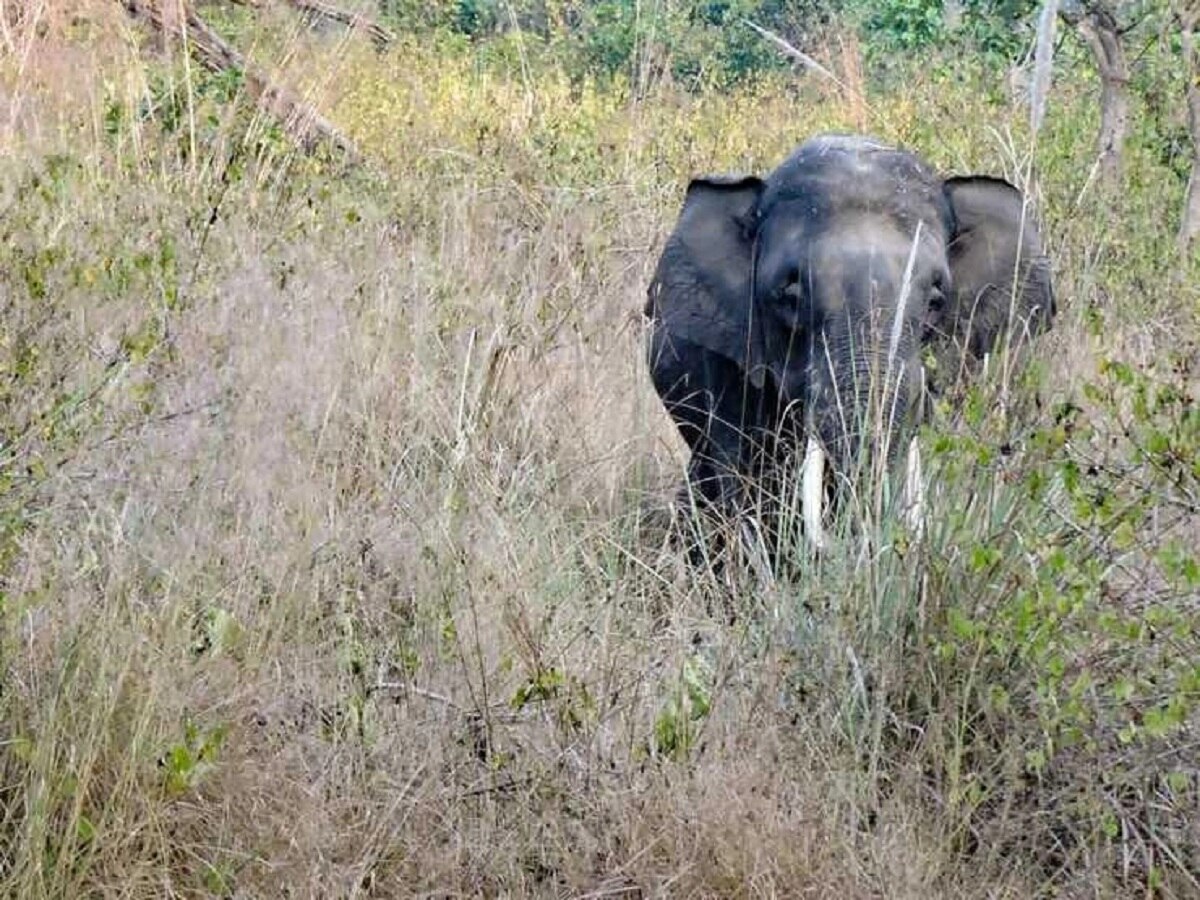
x=913 y=496
x=812 y=496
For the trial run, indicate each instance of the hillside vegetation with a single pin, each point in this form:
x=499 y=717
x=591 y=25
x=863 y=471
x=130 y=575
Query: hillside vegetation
x=335 y=498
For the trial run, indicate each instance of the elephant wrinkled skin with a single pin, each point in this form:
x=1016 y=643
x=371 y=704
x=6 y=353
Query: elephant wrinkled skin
x=801 y=308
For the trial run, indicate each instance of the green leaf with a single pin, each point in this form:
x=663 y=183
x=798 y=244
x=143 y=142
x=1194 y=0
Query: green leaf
x=1122 y=690
x=984 y=557
x=961 y=626
x=1179 y=782
x=1110 y=825
x=84 y=829
x=1035 y=761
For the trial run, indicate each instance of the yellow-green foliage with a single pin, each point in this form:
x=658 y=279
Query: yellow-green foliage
x=332 y=507
x=546 y=126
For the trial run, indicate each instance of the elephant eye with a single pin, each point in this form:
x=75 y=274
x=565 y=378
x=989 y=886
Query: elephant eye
x=937 y=301
x=791 y=284
x=935 y=306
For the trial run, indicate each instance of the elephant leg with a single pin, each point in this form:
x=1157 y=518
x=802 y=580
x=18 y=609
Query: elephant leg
x=715 y=410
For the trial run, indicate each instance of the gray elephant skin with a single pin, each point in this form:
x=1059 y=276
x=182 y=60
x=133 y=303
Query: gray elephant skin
x=803 y=309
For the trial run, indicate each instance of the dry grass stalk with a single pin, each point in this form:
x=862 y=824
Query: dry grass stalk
x=1189 y=225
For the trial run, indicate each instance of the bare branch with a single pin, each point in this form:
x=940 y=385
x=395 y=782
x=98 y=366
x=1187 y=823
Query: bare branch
x=857 y=100
x=321 y=10
x=799 y=55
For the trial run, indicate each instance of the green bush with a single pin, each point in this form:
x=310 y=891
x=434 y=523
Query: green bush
x=706 y=42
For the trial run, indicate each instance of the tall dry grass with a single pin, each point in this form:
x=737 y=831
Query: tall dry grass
x=333 y=550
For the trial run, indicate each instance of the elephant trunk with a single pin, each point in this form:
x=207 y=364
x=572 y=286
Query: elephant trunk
x=860 y=402
x=862 y=399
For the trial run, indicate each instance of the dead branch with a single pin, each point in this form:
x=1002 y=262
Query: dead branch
x=298 y=118
x=798 y=55
x=379 y=35
x=852 y=93
x=317 y=9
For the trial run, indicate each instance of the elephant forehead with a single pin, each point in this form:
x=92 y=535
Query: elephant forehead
x=879 y=181
x=877 y=240
x=852 y=262
x=856 y=152
x=796 y=233
x=856 y=267
x=826 y=198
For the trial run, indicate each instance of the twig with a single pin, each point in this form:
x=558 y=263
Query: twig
x=511 y=785
x=402 y=687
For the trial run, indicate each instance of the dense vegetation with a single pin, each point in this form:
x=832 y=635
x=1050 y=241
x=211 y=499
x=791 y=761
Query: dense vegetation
x=333 y=496
x=706 y=43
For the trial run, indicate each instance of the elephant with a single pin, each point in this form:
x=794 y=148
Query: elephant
x=821 y=306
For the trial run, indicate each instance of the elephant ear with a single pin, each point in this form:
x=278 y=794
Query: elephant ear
x=701 y=290
x=1000 y=276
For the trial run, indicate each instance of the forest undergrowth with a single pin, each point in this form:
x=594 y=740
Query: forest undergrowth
x=334 y=502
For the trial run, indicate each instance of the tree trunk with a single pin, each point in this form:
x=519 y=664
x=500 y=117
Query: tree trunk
x=952 y=14
x=1098 y=28
x=1189 y=225
x=172 y=24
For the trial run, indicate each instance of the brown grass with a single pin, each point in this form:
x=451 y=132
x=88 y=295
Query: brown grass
x=334 y=562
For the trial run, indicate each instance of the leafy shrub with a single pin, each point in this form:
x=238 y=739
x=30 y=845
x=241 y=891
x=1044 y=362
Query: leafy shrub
x=904 y=25
x=997 y=32
x=706 y=42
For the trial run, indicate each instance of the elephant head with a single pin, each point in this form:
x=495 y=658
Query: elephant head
x=804 y=305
